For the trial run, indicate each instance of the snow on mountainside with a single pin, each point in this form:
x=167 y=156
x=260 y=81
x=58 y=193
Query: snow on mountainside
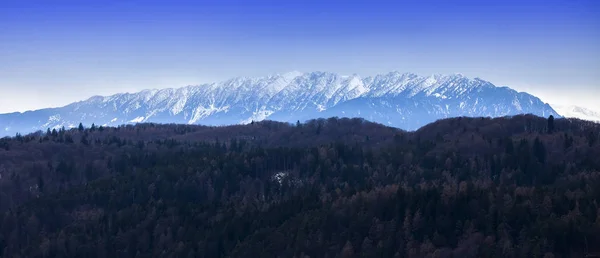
x=577 y=112
x=407 y=101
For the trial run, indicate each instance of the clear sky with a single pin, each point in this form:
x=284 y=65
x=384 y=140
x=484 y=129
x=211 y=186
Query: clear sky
x=53 y=52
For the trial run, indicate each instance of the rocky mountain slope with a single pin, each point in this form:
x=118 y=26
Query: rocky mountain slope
x=406 y=101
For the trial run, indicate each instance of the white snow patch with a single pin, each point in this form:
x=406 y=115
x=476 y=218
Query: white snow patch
x=517 y=104
x=320 y=107
x=357 y=85
x=258 y=116
x=431 y=80
x=54 y=118
x=133 y=107
x=202 y=112
x=138 y=119
x=437 y=95
x=51 y=119
x=179 y=105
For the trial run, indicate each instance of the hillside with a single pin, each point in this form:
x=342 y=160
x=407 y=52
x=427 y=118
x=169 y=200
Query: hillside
x=517 y=186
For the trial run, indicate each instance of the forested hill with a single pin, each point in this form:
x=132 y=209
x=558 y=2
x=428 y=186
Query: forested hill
x=522 y=186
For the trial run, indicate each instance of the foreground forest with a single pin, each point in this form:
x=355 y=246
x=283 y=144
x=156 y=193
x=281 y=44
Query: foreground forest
x=520 y=186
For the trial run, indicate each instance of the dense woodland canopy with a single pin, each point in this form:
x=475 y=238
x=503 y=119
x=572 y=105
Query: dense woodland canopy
x=522 y=186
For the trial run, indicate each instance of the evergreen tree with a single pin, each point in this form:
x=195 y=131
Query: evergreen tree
x=551 y=124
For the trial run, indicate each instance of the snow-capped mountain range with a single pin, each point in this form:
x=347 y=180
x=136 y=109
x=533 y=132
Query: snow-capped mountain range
x=571 y=111
x=402 y=100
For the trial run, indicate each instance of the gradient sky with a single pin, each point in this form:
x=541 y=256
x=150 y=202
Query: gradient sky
x=53 y=52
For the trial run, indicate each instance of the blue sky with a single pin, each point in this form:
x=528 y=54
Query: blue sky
x=53 y=52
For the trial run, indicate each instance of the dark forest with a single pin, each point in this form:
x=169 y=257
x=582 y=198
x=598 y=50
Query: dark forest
x=520 y=186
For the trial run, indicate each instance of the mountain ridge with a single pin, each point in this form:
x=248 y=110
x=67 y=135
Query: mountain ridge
x=573 y=111
x=403 y=100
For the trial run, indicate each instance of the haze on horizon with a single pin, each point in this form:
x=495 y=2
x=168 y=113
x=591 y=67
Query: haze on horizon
x=56 y=52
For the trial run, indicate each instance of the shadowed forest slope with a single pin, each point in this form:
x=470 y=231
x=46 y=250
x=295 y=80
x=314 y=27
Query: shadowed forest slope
x=518 y=186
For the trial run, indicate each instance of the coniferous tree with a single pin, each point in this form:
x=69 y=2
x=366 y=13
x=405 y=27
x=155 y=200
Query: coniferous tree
x=551 y=124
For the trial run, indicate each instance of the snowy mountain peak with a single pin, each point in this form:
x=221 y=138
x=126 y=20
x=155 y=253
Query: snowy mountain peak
x=291 y=75
x=572 y=111
x=404 y=100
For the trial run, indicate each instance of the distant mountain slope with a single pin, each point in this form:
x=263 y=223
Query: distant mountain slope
x=577 y=112
x=406 y=101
